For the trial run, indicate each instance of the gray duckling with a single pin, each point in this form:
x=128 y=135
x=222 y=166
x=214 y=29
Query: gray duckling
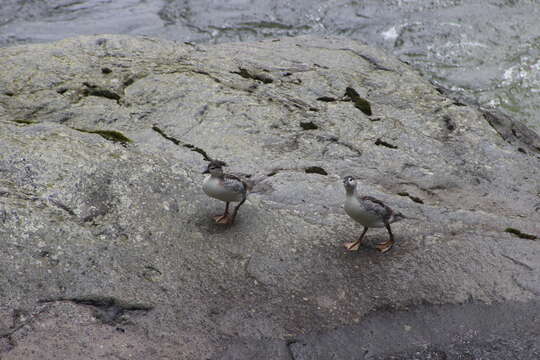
x=370 y=212
x=224 y=187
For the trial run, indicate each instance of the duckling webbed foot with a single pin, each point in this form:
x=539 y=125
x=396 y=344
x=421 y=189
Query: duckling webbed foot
x=225 y=218
x=355 y=246
x=385 y=246
x=221 y=219
x=352 y=246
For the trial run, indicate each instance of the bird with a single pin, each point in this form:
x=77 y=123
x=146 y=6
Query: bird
x=370 y=212
x=224 y=187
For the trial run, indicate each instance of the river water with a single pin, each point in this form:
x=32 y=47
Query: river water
x=485 y=49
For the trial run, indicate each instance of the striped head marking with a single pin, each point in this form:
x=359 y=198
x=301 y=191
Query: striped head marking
x=215 y=167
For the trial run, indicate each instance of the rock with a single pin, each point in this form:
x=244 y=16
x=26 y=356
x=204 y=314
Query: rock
x=109 y=248
x=467 y=331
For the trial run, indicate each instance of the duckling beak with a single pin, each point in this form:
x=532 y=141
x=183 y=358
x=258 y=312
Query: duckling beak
x=206 y=171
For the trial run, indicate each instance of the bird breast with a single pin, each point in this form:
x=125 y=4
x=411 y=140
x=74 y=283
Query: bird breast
x=355 y=209
x=214 y=187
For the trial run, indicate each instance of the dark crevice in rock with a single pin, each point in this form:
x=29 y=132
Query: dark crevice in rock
x=510 y=130
x=151 y=273
x=321 y=66
x=107 y=309
x=457 y=99
x=170 y=138
x=335 y=139
x=290 y=102
x=412 y=197
x=180 y=143
x=198 y=150
x=359 y=102
x=95 y=214
x=62 y=206
x=380 y=142
x=276 y=171
x=327 y=99
x=370 y=59
x=350 y=147
x=450 y=124
x=61 y=90
x=520 y=234
x=94 y=90
x=202 y=72
x=458 y=103
x=106 y=70
x=517 y=262
x=513 y=132
x=45 y=202
x=226 y=83
x=202 y=111
x=315 y=170
x=111 y=135
x=129 y=81
x=308 y=125
x=25 y=122
x=9 y=93
x=254 y=75
x=308 y=170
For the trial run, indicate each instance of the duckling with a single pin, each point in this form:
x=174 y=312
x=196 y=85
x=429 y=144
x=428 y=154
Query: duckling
x=224 y=187
x=370 y=212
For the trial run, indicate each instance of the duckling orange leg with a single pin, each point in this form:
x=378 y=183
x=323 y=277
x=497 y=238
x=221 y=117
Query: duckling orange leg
x=223 y=219
x=230 y=219
x=387 y=246
x=354 y=246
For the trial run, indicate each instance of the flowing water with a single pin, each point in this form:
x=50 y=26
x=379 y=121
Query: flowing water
x=487 y=49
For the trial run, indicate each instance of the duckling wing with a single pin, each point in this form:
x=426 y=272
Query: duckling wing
x=377 y=207
x=234 y=183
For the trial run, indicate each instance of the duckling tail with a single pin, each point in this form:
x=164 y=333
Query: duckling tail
x=399 y=216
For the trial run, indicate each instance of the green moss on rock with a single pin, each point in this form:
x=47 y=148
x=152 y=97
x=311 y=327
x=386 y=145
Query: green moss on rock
x=111 y=135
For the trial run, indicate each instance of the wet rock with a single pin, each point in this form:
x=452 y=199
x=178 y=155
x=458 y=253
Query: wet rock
x=468 y=331
x=87 y=214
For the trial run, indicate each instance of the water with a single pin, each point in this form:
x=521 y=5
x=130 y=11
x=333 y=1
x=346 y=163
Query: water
x=487 y=49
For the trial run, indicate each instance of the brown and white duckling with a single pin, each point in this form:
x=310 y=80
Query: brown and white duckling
x=224 y=187
x=370 y=212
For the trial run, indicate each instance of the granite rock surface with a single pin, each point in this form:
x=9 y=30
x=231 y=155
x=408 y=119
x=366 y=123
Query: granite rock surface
x=108 y=245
